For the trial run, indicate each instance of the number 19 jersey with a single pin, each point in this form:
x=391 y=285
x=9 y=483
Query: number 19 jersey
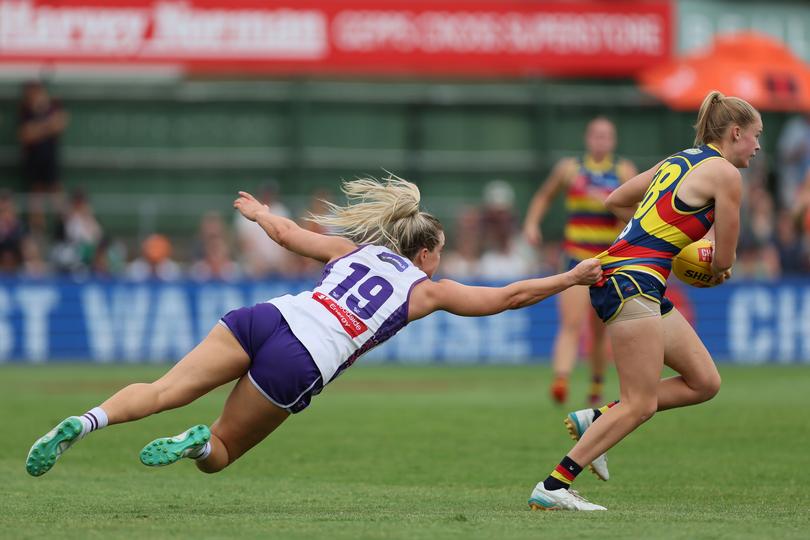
x=361 y=301
x=662 y=224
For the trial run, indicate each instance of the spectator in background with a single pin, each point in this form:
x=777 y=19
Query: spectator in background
x=792 y=254
x=260 y=255
x=41 y=122
x=212 y=253
x=505 y=255
x=78 y=233
x=216 y=262
x=155 y=261
x=212 y=227
x=34 y=264
x=800 y=207
x=794 y=158
x=799 y=217
x=758 y=254
x=81 y=226
x=108 y=258
x=463 y=261
x=11 y=235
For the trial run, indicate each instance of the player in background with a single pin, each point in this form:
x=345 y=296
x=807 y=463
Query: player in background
x=590 y=228
x=680 y=198
x=284 y=351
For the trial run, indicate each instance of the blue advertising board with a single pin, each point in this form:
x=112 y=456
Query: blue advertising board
x=115 y=321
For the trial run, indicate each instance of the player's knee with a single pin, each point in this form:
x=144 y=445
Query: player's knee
x=643 y=409
x=210 y=466
x=648 y=411
x=221 y=455
x=710 y=386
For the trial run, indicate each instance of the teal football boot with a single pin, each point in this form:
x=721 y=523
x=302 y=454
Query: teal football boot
x=48 y=448
x=168 y=450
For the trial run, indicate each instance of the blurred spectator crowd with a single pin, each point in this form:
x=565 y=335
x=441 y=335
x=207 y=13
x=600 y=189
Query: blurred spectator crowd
x=46 y=232
x=484 y=242
x=775 y=215
x=73 y=243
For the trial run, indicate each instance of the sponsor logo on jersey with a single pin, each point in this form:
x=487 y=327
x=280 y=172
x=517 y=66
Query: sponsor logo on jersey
x=351 y=324
x=398 y=262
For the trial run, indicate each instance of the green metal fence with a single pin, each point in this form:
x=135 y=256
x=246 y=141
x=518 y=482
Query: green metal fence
x=154 y=142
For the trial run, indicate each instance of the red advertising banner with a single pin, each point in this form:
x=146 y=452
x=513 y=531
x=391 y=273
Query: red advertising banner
x=479 y=38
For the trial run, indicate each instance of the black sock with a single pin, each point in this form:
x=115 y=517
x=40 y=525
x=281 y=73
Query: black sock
x=563 y=475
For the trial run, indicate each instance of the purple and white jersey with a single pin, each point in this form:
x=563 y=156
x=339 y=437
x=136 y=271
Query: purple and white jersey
x=361 y=301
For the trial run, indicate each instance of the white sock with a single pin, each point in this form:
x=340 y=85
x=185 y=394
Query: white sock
x=202 y=452
x=92 y=420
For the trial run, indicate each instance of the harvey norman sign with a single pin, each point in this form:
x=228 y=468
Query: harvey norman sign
x=341 y=36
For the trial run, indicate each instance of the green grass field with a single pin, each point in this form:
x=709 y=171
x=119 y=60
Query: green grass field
x=413 y=452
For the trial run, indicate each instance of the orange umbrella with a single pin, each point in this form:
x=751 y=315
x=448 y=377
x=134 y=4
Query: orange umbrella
x=749 y=65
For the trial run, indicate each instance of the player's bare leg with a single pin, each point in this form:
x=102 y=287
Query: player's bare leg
x=638 y=347
x=247 y=418
x=698 y=379
x=574 y=307
x=218 y=359
x=598 y=359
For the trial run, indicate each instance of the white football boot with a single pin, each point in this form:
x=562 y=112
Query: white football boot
x=560 y=499
x=577 y=422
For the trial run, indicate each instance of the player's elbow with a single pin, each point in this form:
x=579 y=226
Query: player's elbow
x=282 y=236
x=520 y=299
x=613 y=203
x=281 y=240
x=510 y=297
x=515 y=301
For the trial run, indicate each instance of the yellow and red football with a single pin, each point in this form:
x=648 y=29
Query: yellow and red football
x=693 y=265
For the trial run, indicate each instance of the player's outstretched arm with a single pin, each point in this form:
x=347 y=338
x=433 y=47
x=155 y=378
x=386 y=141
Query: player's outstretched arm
x=286 y=233
x=451 y=296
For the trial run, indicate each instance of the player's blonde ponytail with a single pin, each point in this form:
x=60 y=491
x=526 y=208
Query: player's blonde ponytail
x=384 y=213
x=717 y=113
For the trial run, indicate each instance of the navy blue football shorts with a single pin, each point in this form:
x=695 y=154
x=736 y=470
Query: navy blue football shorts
x=609 y=297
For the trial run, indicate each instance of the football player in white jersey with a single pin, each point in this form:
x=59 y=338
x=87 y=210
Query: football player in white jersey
x=282 y=352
